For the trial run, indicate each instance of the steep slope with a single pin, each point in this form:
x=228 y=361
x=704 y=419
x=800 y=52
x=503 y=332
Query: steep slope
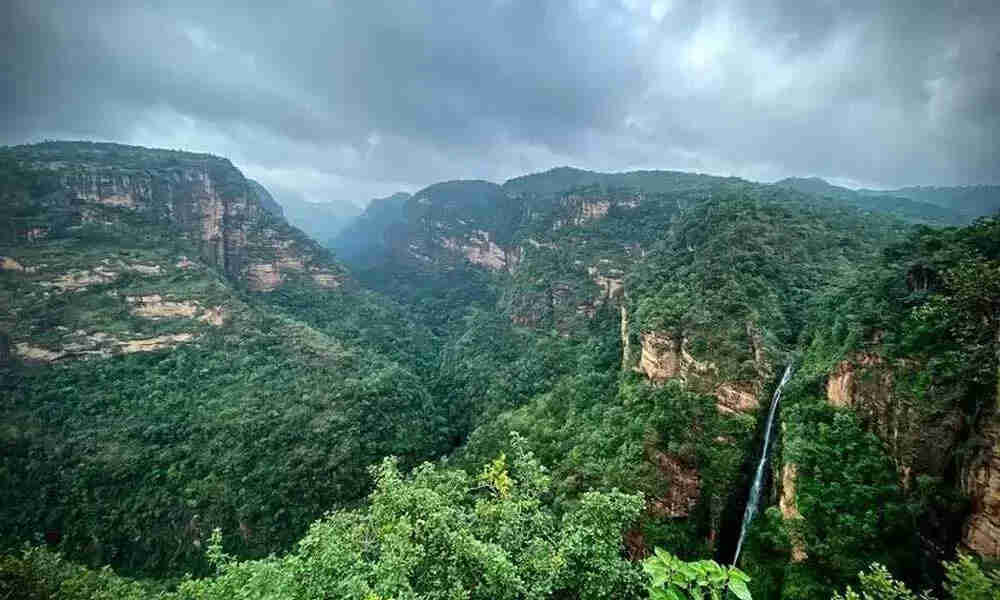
x=900 y=367
x=629 y=326
x=267 y=202
x=368 y=237
x=157 y=378
x=54 y=189
x=710 y=282
x=702 y=282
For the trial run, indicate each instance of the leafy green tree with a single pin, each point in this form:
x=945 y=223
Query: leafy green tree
x=674 y=579
x=879 y=584
x=965 y=579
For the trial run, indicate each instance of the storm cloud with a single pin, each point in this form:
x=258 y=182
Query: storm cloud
x=342 y=101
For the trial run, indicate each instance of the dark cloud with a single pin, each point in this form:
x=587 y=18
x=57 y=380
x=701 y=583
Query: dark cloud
x=346 y=100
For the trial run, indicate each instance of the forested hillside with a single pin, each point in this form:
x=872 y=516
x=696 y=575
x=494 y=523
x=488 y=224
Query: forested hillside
x=508 y=391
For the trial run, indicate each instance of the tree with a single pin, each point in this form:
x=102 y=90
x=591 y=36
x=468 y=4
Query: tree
x=673 y=579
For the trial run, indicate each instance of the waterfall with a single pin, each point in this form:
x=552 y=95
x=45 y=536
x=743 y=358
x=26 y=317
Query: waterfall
x=758 y=479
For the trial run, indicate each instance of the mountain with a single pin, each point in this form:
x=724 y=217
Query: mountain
x=156 y=381
x=899 y=203
x=587 y=358
x=710 y=281
x=321 y=221
x=971 y=201
x=369 y=234
x=267 y=202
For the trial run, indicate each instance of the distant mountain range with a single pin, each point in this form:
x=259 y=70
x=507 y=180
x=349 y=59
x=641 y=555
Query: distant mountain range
x=932 y=205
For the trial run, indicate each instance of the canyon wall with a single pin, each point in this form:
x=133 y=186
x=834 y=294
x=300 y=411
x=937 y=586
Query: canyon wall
x=206 y=199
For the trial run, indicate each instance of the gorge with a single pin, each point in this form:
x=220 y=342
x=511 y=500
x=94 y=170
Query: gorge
x=569 y=369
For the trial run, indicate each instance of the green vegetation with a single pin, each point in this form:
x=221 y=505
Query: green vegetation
x=674 y=579
x=276 y=444
x=966 y=580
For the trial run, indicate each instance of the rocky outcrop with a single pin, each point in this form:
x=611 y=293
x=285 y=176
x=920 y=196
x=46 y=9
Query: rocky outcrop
x=790 y=511
x=684 y=486
x=81 y=279
x=154 y=307
x=233 y=221
x=98 y=345
x=922 y=440
x=154 y=343
x=479 y=249
x=736 y=397
x=626 y=339
x=611 y=282
x=579 y=209
x=982 y=483
x=666 y=357
x=660 y=357
x=107 y=271
x=843 y=388
x=866 y=384
x=9 y=264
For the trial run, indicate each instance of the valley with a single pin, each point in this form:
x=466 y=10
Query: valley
x=483 y=390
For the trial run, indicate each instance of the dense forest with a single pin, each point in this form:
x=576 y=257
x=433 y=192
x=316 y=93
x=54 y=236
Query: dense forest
x=551 y=388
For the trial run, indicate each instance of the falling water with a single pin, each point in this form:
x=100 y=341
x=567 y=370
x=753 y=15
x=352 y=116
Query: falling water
x=758 y=479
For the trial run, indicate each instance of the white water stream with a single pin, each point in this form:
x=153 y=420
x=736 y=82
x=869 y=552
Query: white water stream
x=758 y=480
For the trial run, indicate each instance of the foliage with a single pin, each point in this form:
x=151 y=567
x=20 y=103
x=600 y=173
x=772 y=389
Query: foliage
x=437 y=533
x=256 y=427
x=674 y=579
x=848 y=493
x=966 y=580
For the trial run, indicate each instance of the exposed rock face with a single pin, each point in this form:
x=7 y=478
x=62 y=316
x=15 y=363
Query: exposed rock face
x=263 y=277
x=626 y=339
x=580 y=209
x=982 y=482
x=612 y=284
x=843 y=389
x=661 y=356
x=234 y=222
x=480 y=249
x=29 y=353
x=685 y=487
x=9 y=264
x=327 y=280
x=99 y=345
x=155 y=343
x=923 y=442
x=789 y=508
x=79 y=280
x=215 y=315
x=666 y=357
x=736 y=397
x=866 y=384
x=109 y=269
x=155 y=307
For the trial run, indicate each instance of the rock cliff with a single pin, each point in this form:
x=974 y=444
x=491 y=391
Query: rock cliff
x=231 y=219
x=924 y=442
x=664 y=356
x=982 y=483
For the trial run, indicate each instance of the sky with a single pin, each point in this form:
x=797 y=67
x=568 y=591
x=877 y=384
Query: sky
x=347 y=100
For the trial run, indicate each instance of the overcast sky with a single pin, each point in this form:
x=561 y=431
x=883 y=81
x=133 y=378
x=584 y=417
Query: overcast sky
x=345 y=100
